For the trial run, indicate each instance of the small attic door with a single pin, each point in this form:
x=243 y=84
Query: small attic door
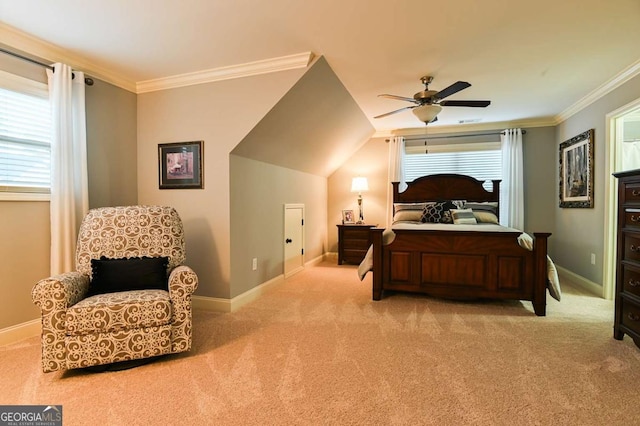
x=293 y=239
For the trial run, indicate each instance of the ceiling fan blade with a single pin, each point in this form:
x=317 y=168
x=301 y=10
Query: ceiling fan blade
x=478 y=104
x=454 y=88
x=393 y=112
x=399 y=98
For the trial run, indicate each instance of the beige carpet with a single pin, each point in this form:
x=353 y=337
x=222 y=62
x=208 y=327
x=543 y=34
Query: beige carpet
x=317 y=350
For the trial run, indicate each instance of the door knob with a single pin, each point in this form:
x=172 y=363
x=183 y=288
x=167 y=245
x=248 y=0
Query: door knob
x=288 y=240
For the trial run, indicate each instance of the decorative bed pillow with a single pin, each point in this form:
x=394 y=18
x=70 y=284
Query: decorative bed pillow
x=135 y=273
x=447 y=206
x=432 y=213
x=463 y=216
x=485 y=217
x=408 y=212
x=486 y=212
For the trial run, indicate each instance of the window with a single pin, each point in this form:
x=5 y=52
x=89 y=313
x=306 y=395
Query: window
x=25 y=136
x=482 y=161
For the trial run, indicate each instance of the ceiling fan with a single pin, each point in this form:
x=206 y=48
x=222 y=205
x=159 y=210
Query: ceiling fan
x=428 y=103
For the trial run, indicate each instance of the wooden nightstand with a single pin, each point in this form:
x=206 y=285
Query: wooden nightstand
x=353 y=242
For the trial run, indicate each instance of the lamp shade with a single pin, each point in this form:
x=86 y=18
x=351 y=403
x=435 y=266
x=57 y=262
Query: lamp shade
x=426 y=113
x=359 y=184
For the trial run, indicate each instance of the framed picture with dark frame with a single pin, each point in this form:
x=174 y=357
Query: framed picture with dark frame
x=180 y=165
x=576 y=171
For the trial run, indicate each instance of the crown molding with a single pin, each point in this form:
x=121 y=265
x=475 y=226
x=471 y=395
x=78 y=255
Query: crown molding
x=622 y=77
x=460 y=128
x=17 y=39
x=46 y=51
x=300 y=60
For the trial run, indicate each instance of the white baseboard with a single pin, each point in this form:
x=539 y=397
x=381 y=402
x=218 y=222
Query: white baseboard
x=217 y=304
x=18 y=332
x=317 y=260
x=230 y=305
x=584 y=283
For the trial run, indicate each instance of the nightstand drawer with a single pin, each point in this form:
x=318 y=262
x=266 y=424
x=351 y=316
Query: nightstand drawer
x=631 y=246
x=350 y=244
x=353 y=242
x=631 y=316
x=357 y=234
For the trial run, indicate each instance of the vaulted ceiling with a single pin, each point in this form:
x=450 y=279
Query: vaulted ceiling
x=536 y=61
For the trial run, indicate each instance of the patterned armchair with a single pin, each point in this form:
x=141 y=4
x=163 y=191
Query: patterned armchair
x=81 y=330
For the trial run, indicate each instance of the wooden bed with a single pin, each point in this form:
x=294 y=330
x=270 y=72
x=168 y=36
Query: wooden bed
x=459 y=264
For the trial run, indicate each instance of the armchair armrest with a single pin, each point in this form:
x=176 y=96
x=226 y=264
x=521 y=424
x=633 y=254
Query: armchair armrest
x=60 y=291
x=182 y=283
x=54 y=295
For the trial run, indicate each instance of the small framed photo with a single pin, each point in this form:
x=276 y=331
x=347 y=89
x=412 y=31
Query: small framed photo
x=180 y=165
x=576 y=171
x=348 y=217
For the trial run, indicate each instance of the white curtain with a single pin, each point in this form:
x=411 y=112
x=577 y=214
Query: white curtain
x=69 y=188
x=396 y=172
x=512 y=186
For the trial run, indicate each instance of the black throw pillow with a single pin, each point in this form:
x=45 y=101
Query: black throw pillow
x=135 y=273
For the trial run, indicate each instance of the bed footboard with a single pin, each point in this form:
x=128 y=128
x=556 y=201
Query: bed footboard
x=462 y=265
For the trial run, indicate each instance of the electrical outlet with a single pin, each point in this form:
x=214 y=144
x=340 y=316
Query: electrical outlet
x=254 y=264
x=593 y=258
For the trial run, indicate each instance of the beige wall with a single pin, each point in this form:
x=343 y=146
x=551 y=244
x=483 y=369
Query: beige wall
x=580 y=232
x=111 y=146
x=259 y=192
x=372 y=161
x=221 y=114
x=24 y=250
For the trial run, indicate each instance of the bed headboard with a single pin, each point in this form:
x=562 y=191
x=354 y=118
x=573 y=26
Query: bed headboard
x=445 y=187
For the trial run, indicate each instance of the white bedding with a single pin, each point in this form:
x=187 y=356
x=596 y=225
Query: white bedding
x=524 y=240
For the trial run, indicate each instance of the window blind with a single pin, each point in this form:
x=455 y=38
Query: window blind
x=483 y=165
x=25 y=141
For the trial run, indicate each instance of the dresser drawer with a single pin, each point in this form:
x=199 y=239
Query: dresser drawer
x=630 y=280
x=631 y=316
x=632 y=218
x=631 y=193
x=631 y=246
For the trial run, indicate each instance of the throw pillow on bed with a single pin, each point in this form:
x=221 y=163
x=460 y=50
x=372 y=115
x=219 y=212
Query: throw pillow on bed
x=432 y=213
x=485 y=212
x=463 y=216
x=136 y=273
x=408 y=212
x=438 y=212
x=449 y=205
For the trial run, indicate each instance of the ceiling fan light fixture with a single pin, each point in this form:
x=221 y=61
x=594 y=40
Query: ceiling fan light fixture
x=426 y=113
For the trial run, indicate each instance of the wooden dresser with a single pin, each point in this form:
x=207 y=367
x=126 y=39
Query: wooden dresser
x=627 y=299
x=353 y=242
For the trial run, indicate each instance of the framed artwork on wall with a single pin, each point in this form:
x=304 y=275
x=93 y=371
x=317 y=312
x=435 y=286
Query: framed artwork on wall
x=576 y=171
x=180 y=165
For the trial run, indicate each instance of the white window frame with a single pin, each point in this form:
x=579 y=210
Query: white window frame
x=27 y=86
